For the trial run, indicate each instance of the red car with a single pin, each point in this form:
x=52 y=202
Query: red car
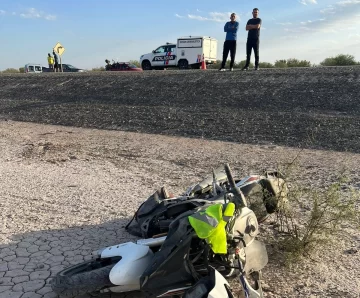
x=121 y=66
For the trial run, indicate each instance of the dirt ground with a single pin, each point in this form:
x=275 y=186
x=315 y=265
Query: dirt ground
x=104 y=142
x=66 y=191
x=315 y=108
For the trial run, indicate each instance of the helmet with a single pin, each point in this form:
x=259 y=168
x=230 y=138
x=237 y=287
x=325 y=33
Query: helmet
x=212 y=286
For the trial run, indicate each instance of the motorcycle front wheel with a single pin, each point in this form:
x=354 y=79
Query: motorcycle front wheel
x=85 y=278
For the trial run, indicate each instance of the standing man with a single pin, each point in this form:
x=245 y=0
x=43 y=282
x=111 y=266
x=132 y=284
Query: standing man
x=56 y=65
x=50 y=62
x=231 y=29
x=253 y=27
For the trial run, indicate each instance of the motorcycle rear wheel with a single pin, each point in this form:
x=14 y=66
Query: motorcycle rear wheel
x=85 y=278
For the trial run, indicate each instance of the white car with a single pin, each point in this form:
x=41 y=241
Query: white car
x=33 y=68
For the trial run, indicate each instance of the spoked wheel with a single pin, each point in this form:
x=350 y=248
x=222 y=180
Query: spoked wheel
x=85 y=278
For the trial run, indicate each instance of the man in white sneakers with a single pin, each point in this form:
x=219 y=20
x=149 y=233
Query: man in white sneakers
x=231 y=29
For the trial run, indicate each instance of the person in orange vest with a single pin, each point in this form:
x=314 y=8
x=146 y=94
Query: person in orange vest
x=50 y=62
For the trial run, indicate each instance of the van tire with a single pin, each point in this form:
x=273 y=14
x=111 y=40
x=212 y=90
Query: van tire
x=183 y=64
x=146 y=65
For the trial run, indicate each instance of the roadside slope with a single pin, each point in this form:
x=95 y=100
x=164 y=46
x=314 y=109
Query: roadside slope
x=314 y=108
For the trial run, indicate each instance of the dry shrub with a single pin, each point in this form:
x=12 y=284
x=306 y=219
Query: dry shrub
x=313 y=218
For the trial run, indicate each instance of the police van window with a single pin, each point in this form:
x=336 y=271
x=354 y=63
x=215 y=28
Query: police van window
x=169 y=48
x=31 y=68
x=37 y=68
x=160 y=50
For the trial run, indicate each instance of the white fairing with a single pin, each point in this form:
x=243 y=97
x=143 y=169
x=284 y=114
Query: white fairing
x=127 y=272
x=219 y=291
x=252 y=292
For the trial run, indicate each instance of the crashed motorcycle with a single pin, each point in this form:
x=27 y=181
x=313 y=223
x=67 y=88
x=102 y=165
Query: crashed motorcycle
x=178 y=263
x=264 y=194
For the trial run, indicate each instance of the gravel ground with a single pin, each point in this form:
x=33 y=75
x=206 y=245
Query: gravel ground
x=314 y=108
x=68 y=190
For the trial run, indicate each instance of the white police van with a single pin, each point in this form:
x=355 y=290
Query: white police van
x=188 y=52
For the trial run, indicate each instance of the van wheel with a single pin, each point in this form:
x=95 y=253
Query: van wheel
x=146 y=65
x=183 y=64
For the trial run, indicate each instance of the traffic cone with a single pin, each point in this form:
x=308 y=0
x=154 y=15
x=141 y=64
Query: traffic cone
x=203 y=64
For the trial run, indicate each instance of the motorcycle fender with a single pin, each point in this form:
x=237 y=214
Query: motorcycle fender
x=134 y=260
x=137 y=251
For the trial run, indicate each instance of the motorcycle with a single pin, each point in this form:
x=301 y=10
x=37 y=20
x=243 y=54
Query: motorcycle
x=175 y=264
x=264 y=195
x=111 y=66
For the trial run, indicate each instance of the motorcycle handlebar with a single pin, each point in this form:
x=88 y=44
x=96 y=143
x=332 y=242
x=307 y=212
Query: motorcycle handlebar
x=238 y=195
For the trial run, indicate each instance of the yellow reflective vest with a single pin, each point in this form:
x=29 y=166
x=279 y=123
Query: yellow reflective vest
x=50 y=60
x=210 y=225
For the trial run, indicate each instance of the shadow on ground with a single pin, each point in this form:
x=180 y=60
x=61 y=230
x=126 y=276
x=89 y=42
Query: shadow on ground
x=30 y=261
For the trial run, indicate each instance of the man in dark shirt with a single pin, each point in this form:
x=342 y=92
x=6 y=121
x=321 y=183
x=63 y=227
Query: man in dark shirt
x=253 y=27
x=231 y=29
x=57 y=60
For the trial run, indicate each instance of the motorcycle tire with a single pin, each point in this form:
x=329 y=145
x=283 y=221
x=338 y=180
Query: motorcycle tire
x=79 y=280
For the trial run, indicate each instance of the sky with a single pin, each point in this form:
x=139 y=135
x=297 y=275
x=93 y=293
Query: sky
x=93 y=30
